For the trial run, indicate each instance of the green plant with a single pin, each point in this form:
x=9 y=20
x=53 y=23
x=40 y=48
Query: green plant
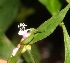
x=32 y=35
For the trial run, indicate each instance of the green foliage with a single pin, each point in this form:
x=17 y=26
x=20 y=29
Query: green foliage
x=8 y=11
x=35 y=53
x=28 y=39
x=68 y=1
x=50 y=25
x=53 y=6
x=5 y=47
x=67 y=43
x=13 y=59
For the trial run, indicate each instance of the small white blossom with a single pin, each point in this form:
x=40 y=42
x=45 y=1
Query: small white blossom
x=22 y=26
x=22 y=30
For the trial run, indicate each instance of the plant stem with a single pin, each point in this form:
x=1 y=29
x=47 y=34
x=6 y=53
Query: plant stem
x=67 y=43
x=31 y=56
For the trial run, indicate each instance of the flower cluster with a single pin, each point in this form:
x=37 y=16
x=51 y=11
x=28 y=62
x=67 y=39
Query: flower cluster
x=24 y=33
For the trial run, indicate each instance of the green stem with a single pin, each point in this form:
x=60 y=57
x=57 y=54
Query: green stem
x=31 y=56
x=15 y=58
x=67 y=43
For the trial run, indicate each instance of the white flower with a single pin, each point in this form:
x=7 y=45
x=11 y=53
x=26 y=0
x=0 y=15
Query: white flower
x=22 y=30
x=24 y=33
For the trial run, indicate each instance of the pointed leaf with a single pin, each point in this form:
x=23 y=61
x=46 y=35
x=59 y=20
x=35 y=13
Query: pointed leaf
x=50 y=25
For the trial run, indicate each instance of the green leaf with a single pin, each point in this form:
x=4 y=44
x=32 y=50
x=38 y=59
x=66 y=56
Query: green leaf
x=68 y=1
x=36 y=53
x=6 y=47
x=67 y=43
x=29 y=38
x=53 y=6
x=8 y=11
x=13 y=59
x=50 y=25
x=16 y=57
x=27 y=57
